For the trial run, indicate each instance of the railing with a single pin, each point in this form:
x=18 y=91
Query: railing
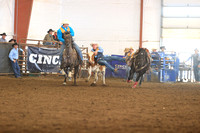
x=23 y=58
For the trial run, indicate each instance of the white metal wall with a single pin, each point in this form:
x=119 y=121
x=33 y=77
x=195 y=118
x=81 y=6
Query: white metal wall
x=181 y=29
x=114 y=23
x=7 y=17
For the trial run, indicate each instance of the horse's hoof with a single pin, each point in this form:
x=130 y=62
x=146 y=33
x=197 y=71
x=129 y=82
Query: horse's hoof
x=64 y=83
x=104 y=85
x=93 y=84
x=86 y=80
x=75 y=85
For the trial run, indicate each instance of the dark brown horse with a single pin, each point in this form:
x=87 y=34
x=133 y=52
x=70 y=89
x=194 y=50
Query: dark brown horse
x=70 y=58
x=140 y=63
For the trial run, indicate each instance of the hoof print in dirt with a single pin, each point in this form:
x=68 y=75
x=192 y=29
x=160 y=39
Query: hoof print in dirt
x=93 y=84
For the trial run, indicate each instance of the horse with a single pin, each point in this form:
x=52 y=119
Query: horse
x=70 y=58
x=140 y=64
x=96 y=68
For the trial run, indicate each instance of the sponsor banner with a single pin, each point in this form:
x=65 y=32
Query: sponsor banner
x=43 y=59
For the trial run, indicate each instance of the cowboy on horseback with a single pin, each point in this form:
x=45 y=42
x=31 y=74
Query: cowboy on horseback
x=66 y=28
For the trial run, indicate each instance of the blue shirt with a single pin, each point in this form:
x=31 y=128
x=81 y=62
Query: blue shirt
x=59 y=33
x=3 y=40
x=14 y=53
x=99 y=51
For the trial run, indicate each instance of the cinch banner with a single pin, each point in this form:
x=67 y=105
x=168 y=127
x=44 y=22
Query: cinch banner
x=43 y=59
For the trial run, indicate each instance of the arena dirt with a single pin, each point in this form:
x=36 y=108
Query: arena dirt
x=43 y=104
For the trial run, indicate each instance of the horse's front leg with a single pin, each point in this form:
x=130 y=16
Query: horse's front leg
x=131 y=74
x=66 y=75
x=140 y=76
x=75 y=74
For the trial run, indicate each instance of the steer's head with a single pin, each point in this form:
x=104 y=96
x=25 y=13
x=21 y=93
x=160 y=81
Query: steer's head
x=91 y=58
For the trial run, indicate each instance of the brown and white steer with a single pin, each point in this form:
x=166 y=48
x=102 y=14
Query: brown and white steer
x=96 y=69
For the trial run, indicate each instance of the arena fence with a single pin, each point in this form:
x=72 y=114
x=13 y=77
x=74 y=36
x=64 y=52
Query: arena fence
x=5 y=66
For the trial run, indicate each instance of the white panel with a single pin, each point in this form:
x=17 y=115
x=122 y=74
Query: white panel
x=181 y=22
x=45 y=15
x=112 y=23
x=7 y=17
x=181 y=11
x=151 y=28
x=181 y=33
x=181 y=2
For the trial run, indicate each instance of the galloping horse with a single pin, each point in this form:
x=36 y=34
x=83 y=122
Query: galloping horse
x=70 y=58
x=140 y=64
x=96 y=68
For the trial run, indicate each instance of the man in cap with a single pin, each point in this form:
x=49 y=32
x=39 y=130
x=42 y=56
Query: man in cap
x=196 y=64
x=162 y=48
x=48 y=39
x=3 y=38
x=13 y=55
x=101 y=59
x=66 y=28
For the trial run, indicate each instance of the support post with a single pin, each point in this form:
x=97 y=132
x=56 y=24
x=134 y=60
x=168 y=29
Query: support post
x=23 y=10
x=141 y=23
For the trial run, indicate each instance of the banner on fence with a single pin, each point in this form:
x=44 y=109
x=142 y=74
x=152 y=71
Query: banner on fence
x=43 y=59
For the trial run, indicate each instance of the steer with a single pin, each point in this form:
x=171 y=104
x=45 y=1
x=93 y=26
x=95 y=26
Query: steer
x=96 y=68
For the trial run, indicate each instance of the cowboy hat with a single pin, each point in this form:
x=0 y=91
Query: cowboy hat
x=3 y=34
x=196 y=49
x=131 y=48
x=15 y=44
x=65 y=21
x=12 y=40
x=50 y=30
x=154 y=48
x=94 y=43
x=162 y=47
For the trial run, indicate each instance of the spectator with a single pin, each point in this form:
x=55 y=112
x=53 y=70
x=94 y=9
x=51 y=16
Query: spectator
x=55 y=37
x=12 y=41
x=162 y=49
x=196 y=64
x=3 y=38
x=48 y=39
x=13 y=55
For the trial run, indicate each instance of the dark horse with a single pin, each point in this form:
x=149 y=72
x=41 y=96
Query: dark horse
x=70 y=58
x=140 y=63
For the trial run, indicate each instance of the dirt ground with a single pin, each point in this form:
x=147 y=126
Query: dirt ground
x=43 y=104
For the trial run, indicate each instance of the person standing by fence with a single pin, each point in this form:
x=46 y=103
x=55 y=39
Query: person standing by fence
x=14 y=55
x=196 y=64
